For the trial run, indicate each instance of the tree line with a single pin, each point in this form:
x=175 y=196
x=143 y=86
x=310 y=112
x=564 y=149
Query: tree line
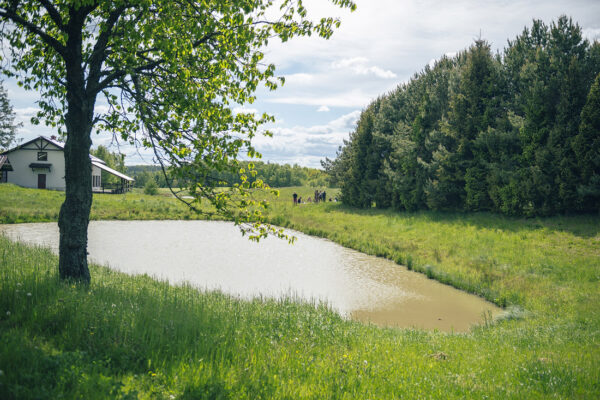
x=274 y=175
x=516 y=132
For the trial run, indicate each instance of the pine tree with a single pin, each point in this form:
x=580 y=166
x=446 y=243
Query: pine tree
x=474 y=107
x=8 y=128
x=586 y=146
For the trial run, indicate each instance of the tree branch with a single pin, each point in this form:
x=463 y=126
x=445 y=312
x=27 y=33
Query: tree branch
x=54 y=14
x=99 y=53
x=36 y=30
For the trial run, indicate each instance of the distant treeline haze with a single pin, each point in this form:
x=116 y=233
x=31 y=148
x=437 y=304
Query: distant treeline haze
x=274 y=175
x=516 y=133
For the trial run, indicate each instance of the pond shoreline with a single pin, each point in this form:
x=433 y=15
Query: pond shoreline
x=214 y=255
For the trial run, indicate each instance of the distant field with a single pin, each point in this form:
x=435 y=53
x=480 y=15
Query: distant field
x=545 y=271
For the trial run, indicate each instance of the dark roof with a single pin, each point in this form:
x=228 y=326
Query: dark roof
x=56 y=143
x=40 y=165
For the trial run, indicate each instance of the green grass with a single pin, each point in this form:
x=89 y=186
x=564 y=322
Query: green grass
x=159 y=341
x=134 y=337
x=19 y=205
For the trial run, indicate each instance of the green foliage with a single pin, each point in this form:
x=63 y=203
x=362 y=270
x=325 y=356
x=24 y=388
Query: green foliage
x=151 y=188
x=274 y=175
x=483 y=132
x=8 y=128
x=586 y=146
x=170 y=73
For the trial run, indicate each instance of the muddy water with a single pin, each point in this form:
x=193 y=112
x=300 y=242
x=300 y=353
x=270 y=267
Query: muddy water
x=214 y=255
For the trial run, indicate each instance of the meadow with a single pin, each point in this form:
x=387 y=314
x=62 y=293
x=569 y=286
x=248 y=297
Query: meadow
x=134 y=337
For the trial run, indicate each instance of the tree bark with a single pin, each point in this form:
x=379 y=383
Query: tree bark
x=74 y=214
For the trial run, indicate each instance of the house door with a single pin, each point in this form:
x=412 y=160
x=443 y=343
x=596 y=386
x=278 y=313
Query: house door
x=41 y=181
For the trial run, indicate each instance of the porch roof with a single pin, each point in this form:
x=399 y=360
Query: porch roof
x=112 y=171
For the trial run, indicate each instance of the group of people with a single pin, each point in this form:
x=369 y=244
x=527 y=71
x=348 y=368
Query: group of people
x=319 y=196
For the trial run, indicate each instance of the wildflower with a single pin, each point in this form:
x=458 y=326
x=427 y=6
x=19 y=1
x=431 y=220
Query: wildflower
x=1 y=372
x=8 y=313
x=114 y=305
x=28 y=294
x=18 y=283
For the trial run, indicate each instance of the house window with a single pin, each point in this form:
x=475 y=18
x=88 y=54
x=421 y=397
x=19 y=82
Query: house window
x=42 y=156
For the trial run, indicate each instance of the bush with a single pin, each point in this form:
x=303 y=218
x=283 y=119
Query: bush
x=151 y=187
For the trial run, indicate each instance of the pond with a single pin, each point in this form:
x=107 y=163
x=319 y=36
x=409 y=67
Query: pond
x=214 y=255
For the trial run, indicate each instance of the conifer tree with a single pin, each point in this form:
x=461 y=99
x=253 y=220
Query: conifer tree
x=586 y=146
x=8 y=128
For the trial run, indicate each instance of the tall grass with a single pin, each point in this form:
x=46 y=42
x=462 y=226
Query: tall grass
x=134 y=337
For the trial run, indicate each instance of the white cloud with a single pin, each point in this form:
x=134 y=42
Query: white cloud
x=28 y=131
x=449 y=54
x=245 y=110
x=359 y=66
x=353 y=99
x=591 y=33
x=323 y=109
x=26 y=112
x=307 y=145
x=299 y=79
x=101 y=109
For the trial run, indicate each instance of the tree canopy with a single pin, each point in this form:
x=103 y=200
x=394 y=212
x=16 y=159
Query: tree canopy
x=515 y=132
x=168 y=74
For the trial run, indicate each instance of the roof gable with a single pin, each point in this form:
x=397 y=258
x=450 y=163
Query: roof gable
x=42 y=143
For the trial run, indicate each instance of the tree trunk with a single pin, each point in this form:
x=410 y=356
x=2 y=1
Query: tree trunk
x=75 y=212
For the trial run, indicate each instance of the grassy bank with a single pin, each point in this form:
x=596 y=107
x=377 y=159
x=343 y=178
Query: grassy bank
x=542 y=264
x=19 y=205
x=200 y=345
x=133 y=337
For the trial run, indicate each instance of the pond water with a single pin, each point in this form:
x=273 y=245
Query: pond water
x=214 y=255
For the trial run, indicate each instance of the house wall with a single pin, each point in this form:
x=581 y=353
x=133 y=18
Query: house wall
x=22 y=175
x=96 y=177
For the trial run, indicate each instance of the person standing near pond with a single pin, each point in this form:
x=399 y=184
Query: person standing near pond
x=317 y=196
x=295 y=196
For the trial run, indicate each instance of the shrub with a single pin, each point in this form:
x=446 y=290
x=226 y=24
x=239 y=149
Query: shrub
x=151 y=187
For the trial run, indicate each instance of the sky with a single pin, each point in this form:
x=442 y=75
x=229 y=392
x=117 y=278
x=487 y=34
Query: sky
x=379 y=46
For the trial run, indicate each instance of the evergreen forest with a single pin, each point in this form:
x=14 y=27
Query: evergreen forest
x=515 y=132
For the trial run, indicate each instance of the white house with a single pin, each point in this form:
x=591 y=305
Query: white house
x=40 y=163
